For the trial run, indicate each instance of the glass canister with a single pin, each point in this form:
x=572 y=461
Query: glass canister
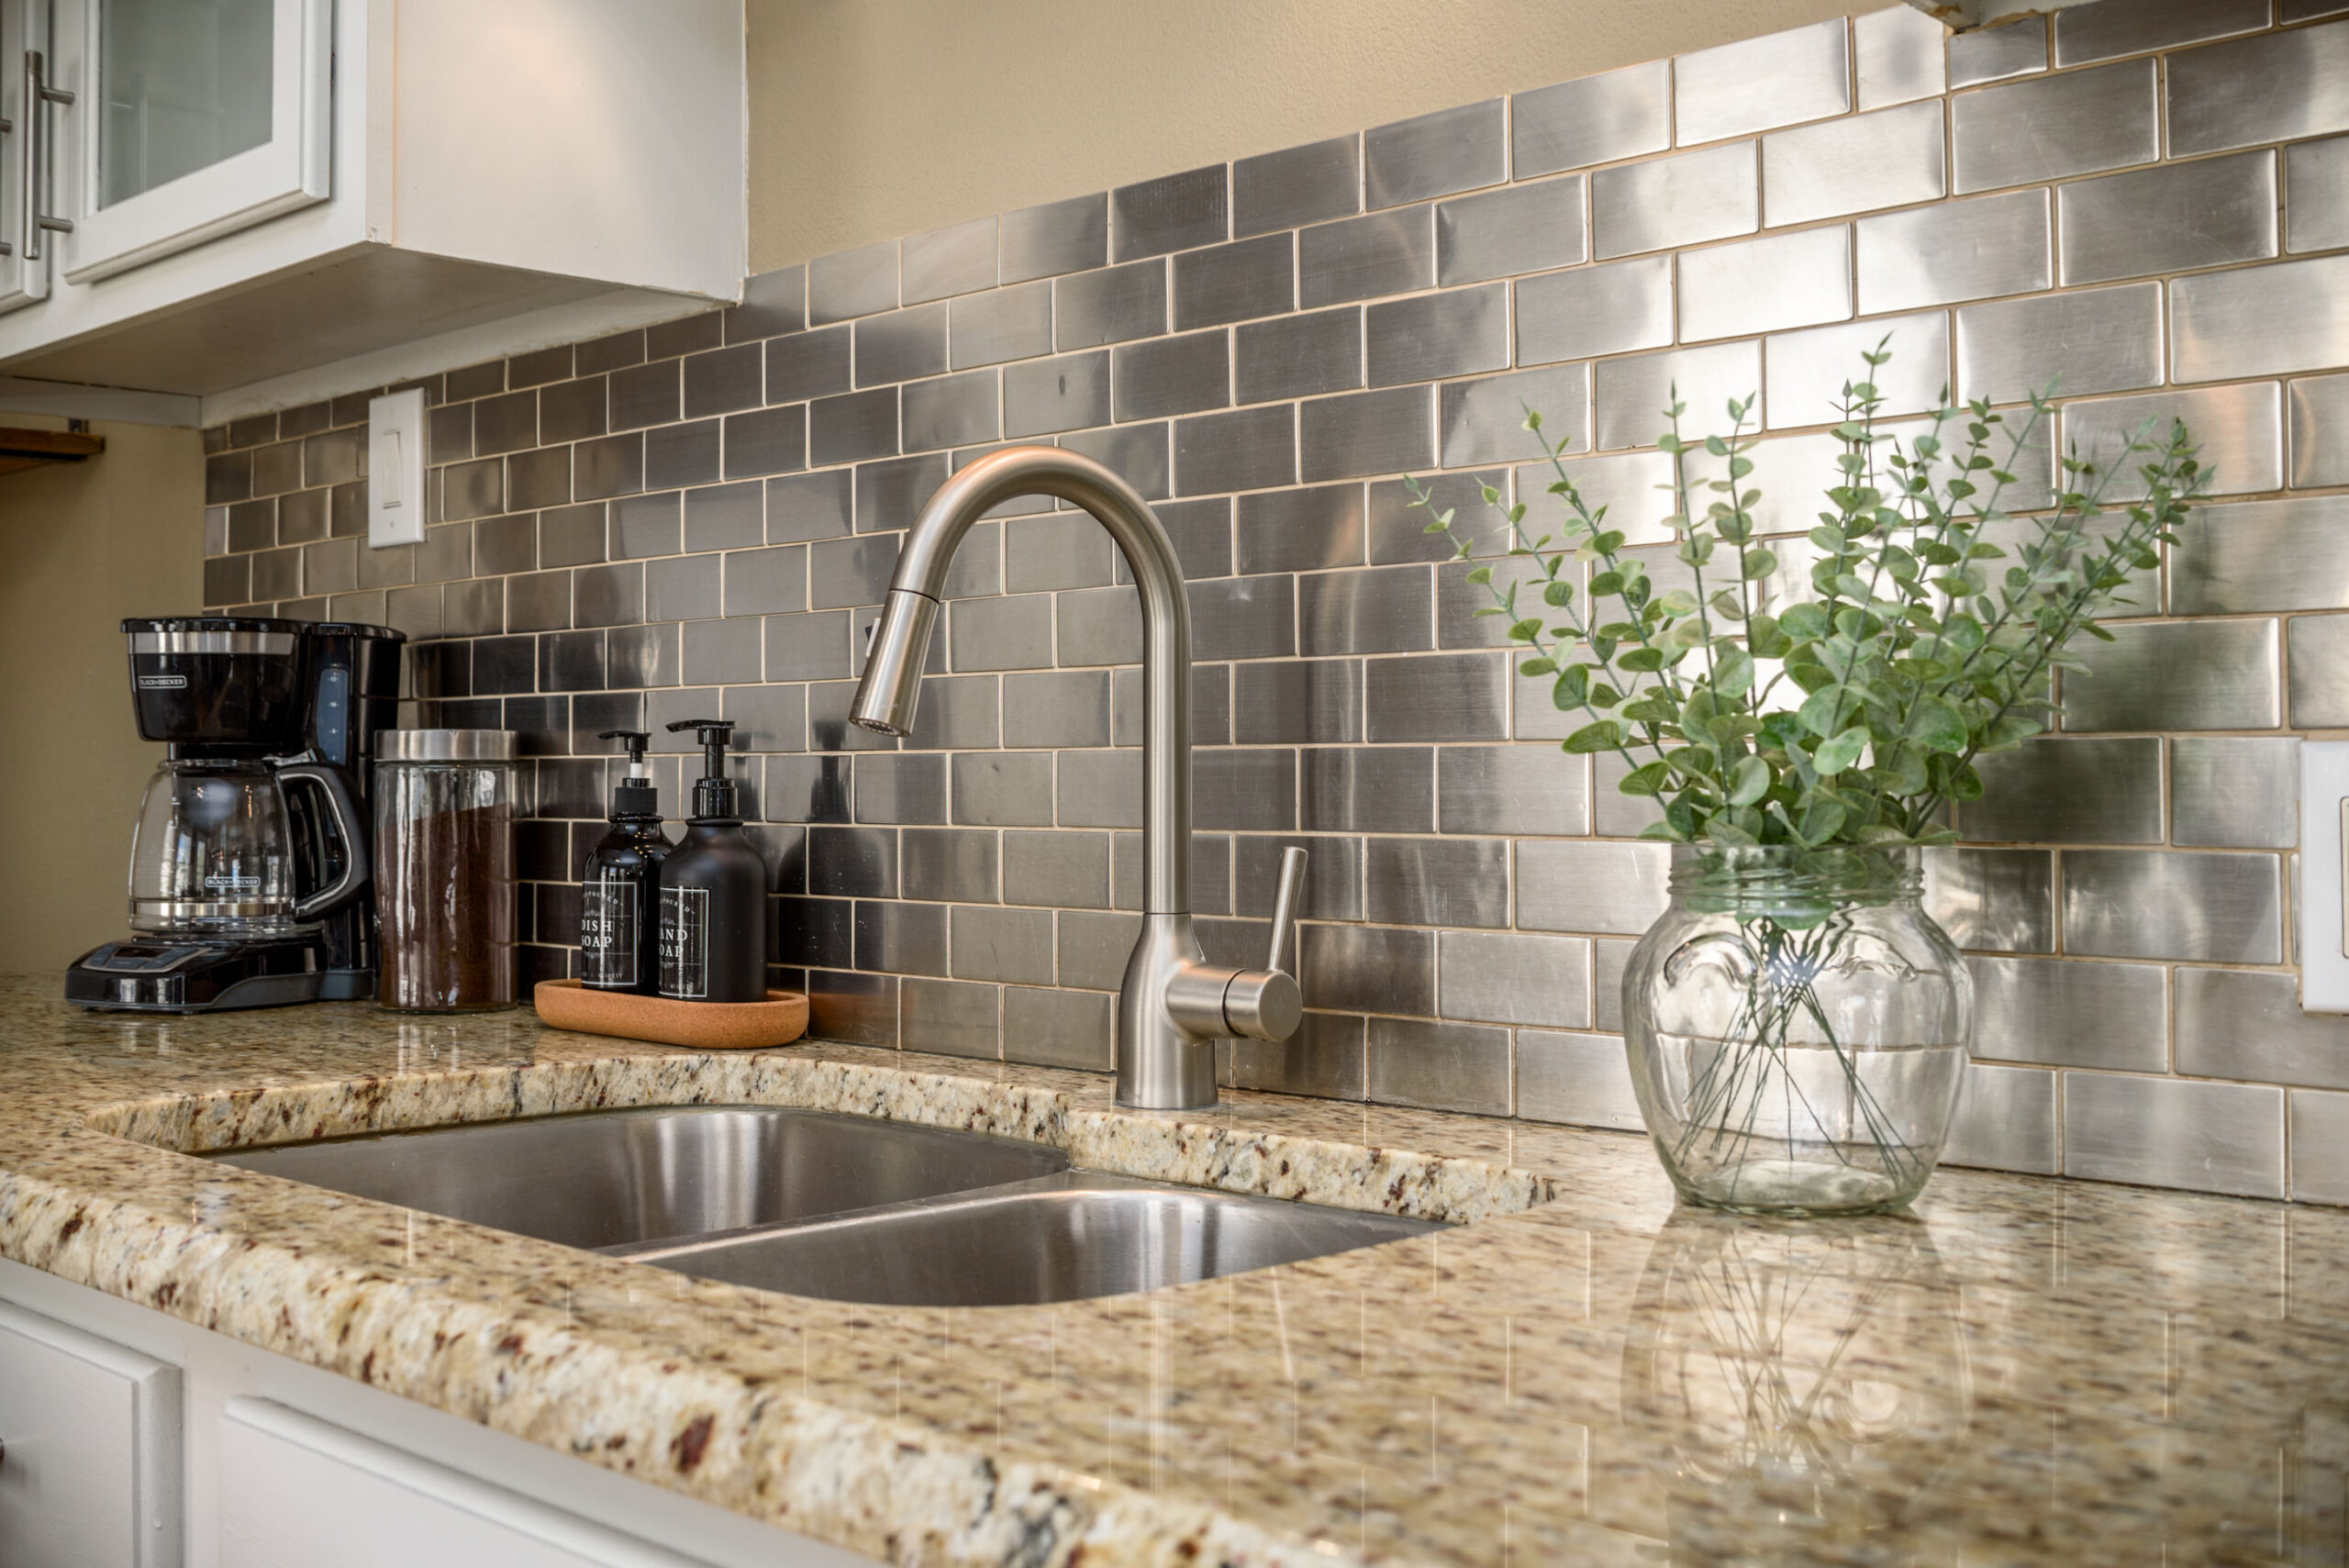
x=1798 y=1027
x=444 y=869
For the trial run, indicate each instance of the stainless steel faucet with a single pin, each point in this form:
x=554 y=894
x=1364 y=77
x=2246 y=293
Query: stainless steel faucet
x=1174 y=1005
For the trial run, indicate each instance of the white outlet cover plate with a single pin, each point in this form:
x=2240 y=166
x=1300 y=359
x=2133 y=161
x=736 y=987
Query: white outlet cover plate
x=2324 y=801
x=395 y=469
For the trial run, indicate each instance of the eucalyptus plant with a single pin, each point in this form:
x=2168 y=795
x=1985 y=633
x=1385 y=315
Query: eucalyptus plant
x=1853 y=715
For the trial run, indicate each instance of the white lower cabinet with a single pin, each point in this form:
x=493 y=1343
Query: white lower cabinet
x=296 y=1491
x=90 y=1471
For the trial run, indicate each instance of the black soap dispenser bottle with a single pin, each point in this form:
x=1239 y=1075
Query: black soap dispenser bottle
x=619 y=909
x=714 y=890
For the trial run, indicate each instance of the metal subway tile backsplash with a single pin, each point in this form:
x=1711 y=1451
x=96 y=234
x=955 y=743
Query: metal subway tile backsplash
x=704 y=513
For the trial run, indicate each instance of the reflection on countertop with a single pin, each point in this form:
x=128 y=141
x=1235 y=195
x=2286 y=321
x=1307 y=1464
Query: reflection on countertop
x=2024 y=1371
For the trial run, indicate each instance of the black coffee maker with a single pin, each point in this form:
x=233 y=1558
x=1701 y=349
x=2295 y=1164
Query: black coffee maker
x=250 y=863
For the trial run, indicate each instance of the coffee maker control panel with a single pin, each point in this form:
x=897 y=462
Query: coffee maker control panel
x=194 y=976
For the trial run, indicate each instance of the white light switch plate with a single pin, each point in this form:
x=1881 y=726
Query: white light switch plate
x=395 y=469
x=2324 y=805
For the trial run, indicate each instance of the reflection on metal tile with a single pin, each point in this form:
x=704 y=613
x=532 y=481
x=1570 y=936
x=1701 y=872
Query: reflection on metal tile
x=1058 y=237
x=1173 y=212
x=1506 y=978
x=2167 y=219
x=1629 y=396
x=2236 y=1025
x=958 y=260
x=949 y=865
x=1297 y=356
x=2319 y=646
x=1360 y=258
x=2320 y=431
x=853 y=283
x=2067 y=1014
x=1233 y=282
x=1889 y=159
x=1101 y=789
x=1332 y=874
x=2178 y=676
x=901 y=345
x=1435 y=154
x=1607 y=961
x=1245 y=789
x=949 y=1017
x=2316 y=174
x=1383 y=611
x=1604 y=887
x=1323 y=1058
x=1632 y=486
x=1003 y=789
x=1957 y=250
x=950 y=411
x=2210 y=907
x=1512 y=789
x=859 y=862
x=1444 y=696
x=1583 y=1079
x=903 y=786
x=1300 y=530
x=1899 y=56
x=2262 y=555
x=2239 y=430
x=1594 y=310
x=1059 y=1028
x=2043 y=129
x=1619 y=816
x=1453 y=1067
x=1993 y=900
x=1173 y=375
x=1484 y=421
x=1994 y=54
x=2069 y=792
x=1431 y=336
x=859 y=1008
x=1056 y=707
x=1056 y=870
x=1383 y=789
x=1247 y=450
x=1110 y=306
x=1802 y=73
x=2276 y=87
x=2168 y=1132
x=1357 y=433
x=2260 y=320
x=987 y=329
x=2235 y=792
x=1681 y=200
x=1596 y=119
x=1366 y=969
x=2091 y=33
x=1094 y=948
x=1762 y=285
x=1296 y=187
x=1526 y=229
x=2006 y=1121
x=2100 y=341
x=1807 y=371
x=1069 y=393
x=1437 y=882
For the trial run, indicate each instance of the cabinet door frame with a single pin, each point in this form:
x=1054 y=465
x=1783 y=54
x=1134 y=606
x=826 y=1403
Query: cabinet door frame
x=24 y=25
x=146 y=1394
x=292 y=168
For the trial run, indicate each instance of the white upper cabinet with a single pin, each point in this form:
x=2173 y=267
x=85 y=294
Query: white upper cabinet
x=190 y=119
x=220 y=197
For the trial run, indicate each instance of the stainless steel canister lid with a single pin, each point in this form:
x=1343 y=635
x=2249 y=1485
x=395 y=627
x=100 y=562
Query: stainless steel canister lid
x=446 y=745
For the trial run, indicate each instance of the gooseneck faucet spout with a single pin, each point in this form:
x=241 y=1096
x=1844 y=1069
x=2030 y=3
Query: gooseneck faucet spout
x=1174 y=1005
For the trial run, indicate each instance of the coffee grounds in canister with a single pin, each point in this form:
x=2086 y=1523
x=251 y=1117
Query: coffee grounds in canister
x=444 y=900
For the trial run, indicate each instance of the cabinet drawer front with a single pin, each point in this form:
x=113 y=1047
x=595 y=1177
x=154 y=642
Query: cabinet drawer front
x=91 y=1477
x=296 y=1491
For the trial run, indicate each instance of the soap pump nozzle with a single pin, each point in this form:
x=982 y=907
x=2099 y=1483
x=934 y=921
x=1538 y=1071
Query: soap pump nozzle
x=636 y=795
x=714 y=793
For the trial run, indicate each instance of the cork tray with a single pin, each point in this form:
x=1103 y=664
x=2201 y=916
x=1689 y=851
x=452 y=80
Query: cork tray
x=702 y=1026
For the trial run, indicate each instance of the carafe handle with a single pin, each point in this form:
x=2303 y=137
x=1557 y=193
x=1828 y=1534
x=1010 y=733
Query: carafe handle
x=336 y=786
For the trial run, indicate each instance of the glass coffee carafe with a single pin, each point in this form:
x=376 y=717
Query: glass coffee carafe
x=215 y=855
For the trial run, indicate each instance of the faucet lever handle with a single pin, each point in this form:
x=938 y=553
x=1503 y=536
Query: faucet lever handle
x=1285 y=908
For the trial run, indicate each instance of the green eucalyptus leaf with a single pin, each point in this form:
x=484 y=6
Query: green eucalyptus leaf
x=1749 y=781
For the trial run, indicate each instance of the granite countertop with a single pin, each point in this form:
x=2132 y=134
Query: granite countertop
x=2026 y=1371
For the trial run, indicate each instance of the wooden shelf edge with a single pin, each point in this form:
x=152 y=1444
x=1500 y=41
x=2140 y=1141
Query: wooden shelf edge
x=22 y=449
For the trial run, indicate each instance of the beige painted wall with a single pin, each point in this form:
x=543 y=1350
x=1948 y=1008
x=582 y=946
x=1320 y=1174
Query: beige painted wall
x=84 y=545
x=876 y=119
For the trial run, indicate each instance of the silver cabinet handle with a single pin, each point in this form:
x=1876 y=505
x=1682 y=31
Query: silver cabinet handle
x=7 y=127
x=37 y=94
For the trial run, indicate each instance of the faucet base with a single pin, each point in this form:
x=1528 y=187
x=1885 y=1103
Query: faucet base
x=1161 y=1065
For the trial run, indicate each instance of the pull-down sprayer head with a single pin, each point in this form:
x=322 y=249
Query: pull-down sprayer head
x=886 y=696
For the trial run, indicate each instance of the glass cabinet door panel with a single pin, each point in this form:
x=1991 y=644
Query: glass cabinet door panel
x=186 y=85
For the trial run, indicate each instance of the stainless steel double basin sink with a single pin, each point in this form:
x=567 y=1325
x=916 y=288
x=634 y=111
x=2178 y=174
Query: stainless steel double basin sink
x=844 y=1207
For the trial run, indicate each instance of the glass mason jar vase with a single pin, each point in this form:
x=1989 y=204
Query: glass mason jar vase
x=1798 y=1028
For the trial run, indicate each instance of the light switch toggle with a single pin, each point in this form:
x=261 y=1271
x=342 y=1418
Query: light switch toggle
x=395 y=469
